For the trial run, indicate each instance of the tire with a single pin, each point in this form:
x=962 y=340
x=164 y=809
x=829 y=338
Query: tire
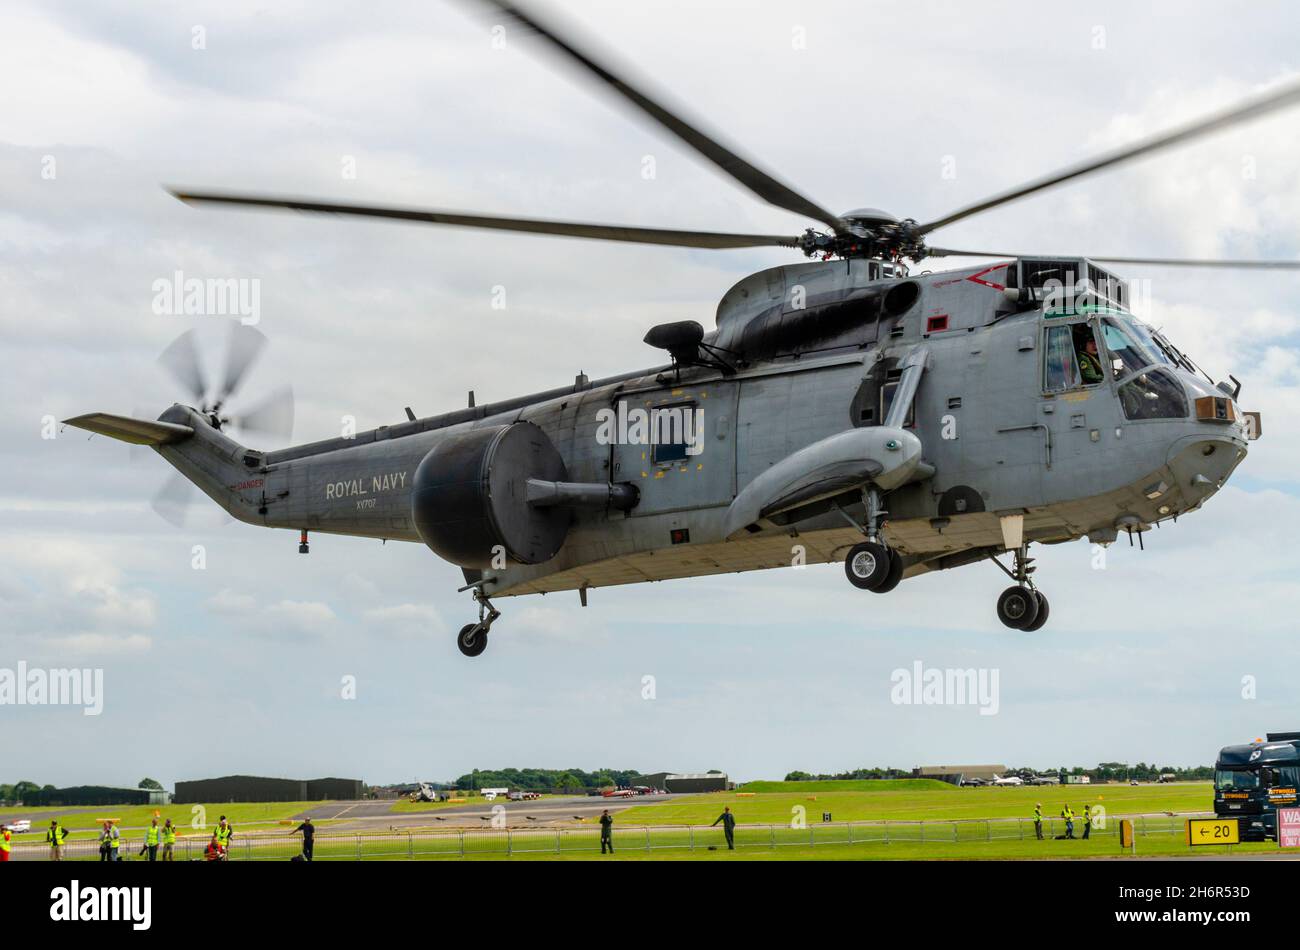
x=895 y=575
x=1043 y=611
x=1017 y=607
x=471 y=644
x=867 y=565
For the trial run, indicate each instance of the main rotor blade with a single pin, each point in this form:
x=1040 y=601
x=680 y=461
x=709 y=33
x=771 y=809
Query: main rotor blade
x=181 y=359
x=273 y=416
x=245 y=346
x=600 y=232
x=1161 y=261
x=755 y=179
x=1261 y=105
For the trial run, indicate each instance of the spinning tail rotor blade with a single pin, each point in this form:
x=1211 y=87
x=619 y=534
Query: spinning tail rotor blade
x=273 y=416
x=175 y=499
x=245 y=346
x=181 y=359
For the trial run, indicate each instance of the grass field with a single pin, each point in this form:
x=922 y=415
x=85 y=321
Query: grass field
x=898 y=851
x=919 y=804
x=87 y=823
x=872 y=820
x=854 y=785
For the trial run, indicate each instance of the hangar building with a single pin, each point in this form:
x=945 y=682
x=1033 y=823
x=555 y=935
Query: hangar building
x=96 y=795
x=711 y=781
x=253 y=788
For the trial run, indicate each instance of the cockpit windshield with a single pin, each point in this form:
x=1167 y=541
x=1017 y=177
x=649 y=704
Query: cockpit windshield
x=1131 y=346
x=1235 y=779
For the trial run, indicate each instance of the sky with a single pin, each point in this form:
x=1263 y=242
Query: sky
x=223 y=650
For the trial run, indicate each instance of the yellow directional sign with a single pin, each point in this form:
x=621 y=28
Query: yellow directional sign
x=1125 y=833
x=1212 y=831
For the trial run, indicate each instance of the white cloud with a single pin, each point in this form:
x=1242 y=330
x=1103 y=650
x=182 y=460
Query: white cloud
x=302 y=617
x=227 y=601
x=404 y=620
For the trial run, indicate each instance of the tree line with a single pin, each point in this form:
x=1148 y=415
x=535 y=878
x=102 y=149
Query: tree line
x=539 y=780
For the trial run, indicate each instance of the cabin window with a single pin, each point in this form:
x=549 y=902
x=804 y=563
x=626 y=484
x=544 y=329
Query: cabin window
x=887 y=398
x=1070 y=359
x=675 y=431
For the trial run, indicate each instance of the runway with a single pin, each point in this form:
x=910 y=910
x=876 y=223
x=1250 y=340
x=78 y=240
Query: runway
x=376 y=815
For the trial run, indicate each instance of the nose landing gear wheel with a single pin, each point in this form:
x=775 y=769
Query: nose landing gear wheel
x=471 y=640
x=1042 y=613
x=1018 y=607
x=867 y=565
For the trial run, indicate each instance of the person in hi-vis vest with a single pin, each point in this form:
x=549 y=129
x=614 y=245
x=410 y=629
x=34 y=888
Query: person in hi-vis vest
x=55 y=838
x=110 y=842
x=225 y=831
x=152 y=835
x=168 y=840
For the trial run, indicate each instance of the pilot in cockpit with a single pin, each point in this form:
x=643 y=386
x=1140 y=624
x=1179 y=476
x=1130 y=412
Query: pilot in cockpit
x=1085 y=348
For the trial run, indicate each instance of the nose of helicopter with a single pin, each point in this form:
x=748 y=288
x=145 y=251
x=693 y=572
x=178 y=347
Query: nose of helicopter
x=1202 y=460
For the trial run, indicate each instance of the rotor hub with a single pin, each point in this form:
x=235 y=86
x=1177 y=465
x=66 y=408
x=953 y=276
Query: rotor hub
x=868 y=233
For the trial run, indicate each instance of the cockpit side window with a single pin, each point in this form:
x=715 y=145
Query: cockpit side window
x=1070 y=359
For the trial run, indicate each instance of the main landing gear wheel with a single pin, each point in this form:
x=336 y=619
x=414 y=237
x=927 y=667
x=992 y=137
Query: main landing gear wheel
x=1043 y=611
x=473 y=637
x=895 y=575
x=471 y=640
x=867 y=565
x=1018 y=607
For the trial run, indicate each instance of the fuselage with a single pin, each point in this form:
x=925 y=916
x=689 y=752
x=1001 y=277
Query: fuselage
x=1009 y=419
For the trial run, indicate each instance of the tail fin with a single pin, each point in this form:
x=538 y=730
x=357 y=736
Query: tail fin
x=135 y=431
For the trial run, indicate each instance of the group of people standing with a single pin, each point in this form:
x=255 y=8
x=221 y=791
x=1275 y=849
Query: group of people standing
x=1067 y=813
x=110 y=841
x=155 y=836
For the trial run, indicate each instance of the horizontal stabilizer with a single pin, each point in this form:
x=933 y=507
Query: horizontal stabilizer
x=126 y=429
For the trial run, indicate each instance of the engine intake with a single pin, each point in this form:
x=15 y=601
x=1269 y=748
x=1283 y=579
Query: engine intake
x=470 y=496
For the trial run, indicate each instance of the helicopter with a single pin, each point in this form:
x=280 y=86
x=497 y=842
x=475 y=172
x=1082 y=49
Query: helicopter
x=842 y=409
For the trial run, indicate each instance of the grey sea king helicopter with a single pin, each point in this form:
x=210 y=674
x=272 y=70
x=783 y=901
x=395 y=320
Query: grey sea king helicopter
x=899 y=423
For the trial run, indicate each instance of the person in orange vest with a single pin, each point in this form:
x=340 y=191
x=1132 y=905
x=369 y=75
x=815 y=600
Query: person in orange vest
x=110 y=842
x=6 y=842
x=213 y=851
x=224 y=832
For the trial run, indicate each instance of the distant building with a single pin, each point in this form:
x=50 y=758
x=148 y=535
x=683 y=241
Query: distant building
x=97 y=795
x=712 y=781
x=953 y=774
x=253 y=788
